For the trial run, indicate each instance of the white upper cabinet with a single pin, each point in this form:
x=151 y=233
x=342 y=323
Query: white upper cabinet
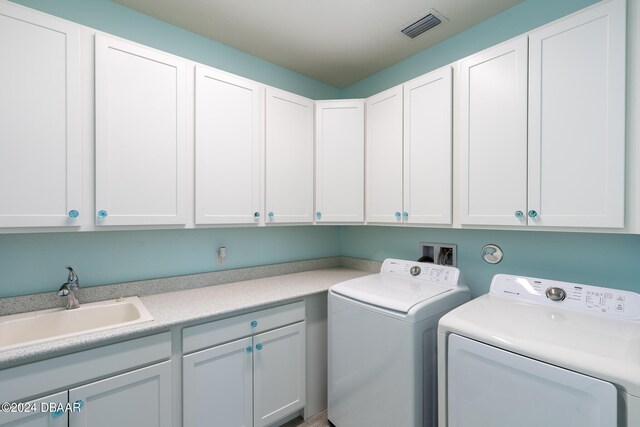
x=577 y=119
x=40 y=169
x=539 y=133
x=428 y=148
x=409 y=152
x=289 y=158
x=140 y=135
x=228 y=135
x=384 y=157
x=493 y=135
x=559 y=162
x=340 y=161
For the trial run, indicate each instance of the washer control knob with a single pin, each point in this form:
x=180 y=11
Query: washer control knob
x=556 y=294
x=415 y=270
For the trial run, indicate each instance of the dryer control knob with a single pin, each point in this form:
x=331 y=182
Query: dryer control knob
x=415 y=270
x=556 y=294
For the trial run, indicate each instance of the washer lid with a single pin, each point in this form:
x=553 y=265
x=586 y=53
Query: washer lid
x=389 y=291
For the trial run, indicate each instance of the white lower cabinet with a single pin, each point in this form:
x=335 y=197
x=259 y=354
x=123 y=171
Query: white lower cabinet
x=31 y=413
x=278 y=374
x=136 y=397
x=139 y=398
x=218 y=386
x=255 y=380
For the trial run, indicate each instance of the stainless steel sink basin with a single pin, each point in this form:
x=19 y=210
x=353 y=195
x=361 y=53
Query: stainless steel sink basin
x=23 y=329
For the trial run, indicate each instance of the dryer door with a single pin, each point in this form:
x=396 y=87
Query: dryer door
x=490 y=387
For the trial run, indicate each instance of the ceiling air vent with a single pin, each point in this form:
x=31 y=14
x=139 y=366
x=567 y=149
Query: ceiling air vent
x=421 y=25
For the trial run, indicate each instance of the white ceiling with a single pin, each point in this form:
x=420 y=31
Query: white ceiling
x=335 y=41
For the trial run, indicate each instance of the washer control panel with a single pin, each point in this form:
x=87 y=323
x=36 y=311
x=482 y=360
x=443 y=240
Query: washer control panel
x=556 y=294
x=441 y=274
x=612 y=302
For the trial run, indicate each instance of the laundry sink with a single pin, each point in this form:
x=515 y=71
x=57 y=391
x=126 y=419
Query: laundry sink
x=22 y=329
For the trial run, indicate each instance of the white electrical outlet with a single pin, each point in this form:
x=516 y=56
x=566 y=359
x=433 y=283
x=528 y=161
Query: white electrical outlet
x=222 y=255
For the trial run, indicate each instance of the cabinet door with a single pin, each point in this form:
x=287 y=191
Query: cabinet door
x=427 y=148
x=384 y=157
x=340 y=161
x=227 y=148
x=139 y=398
x=217 y=386
x=40 y=169
x=493 y=135
x=279 y=373
x=140 y=135
x=48 y=411
x=577 y=119
x=289 y=158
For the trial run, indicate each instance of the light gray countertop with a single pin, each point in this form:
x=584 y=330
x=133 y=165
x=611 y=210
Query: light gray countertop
x=185 y=307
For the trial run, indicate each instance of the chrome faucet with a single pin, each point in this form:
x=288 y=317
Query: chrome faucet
x=68 y=289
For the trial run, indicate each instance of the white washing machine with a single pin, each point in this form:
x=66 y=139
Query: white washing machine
x=537 y=352
x=382 y=344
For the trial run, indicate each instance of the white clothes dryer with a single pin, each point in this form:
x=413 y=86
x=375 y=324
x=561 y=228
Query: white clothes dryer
x=536 y=352
x=382 y=344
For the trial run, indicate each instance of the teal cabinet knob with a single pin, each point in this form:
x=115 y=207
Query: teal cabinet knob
x=256 y=214
x=519 y=214
x=78 y=404
x=405 y=214
x=249 y=349
x=259 y=346
x=318 y=214
x=57 y=414
x=533 y=214
x=270 y=215
x=102 y=214
x=254 y=323
x=73 y=213
x=397 y=214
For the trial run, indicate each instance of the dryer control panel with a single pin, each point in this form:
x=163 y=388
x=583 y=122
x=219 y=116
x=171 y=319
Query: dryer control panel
x=611 y=302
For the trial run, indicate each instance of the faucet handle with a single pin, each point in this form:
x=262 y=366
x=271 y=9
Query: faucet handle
x=64 y=290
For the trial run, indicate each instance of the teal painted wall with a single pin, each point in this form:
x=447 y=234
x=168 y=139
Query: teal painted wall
x=598 y=259
x=35 y=262
x=31 y=263
x=517 y=20
x=120 y=21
